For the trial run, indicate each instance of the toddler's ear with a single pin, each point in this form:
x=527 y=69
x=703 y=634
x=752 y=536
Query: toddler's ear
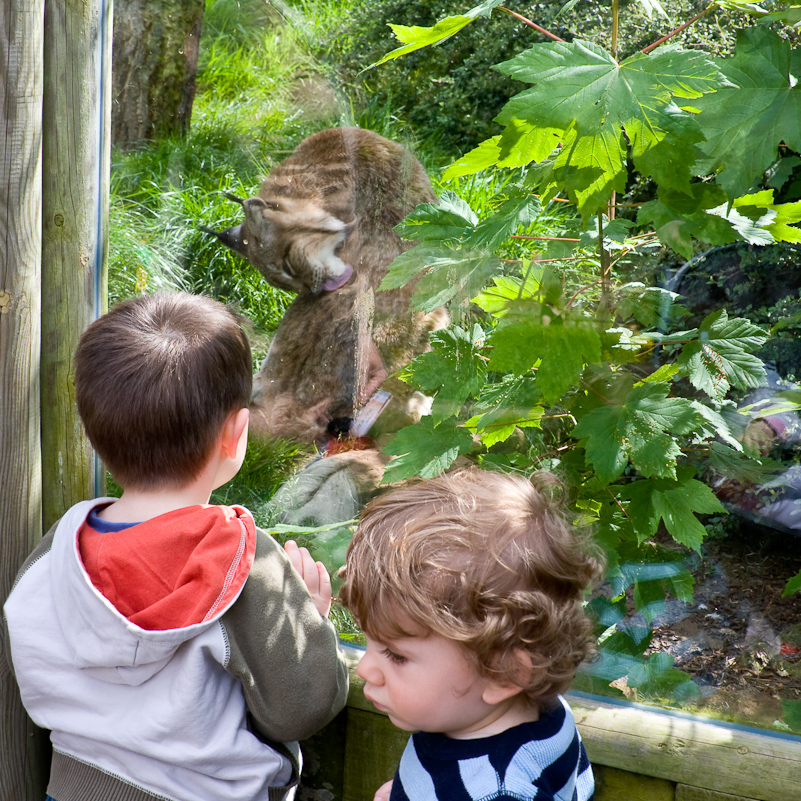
x=496 y=691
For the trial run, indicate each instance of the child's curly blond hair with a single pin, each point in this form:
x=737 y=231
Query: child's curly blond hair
x=484 y=559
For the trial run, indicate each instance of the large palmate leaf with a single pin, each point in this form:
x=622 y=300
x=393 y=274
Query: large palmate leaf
x=745 y=122
x=581 y=90
x=511 y=404
x=722 y=356
x=452 y=371
x=425 y=450
x=449 y=274
x=521 y=143
x=445 y=221
x=680 y=217
x=637 y=431
x=519 y=210
x=562 y=344
x=675 y=503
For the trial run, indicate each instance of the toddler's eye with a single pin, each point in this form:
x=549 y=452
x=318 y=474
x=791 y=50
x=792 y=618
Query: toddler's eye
x=396 y=659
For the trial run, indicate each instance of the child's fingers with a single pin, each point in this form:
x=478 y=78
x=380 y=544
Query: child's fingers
x=309 y=571
x=293 y=552
x=325 y=580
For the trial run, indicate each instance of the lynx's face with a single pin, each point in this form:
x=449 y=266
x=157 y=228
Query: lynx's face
x=292 y=242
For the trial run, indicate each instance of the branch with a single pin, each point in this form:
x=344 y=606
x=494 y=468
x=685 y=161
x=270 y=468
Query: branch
x=678 y=30
x=530 y=23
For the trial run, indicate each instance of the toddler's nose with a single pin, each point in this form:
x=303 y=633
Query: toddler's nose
x=368 y=669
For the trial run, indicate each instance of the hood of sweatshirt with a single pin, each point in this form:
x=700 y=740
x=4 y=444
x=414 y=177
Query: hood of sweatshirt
x=168 y=579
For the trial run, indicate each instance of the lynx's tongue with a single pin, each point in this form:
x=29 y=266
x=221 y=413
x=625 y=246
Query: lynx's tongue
x=338 y=281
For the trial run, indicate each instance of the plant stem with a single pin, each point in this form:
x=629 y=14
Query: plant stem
x=532 y=24
x=604 y=254
x=615 y=25
x=548 y=238
x=679 y=29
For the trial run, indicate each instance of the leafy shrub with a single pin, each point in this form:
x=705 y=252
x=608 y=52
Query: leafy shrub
x=550 y=362
x=452 y=91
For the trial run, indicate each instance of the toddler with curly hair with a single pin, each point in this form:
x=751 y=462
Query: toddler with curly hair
x=469 y=589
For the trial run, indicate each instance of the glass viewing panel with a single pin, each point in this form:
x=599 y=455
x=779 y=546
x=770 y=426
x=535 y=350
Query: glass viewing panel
x=662 y=388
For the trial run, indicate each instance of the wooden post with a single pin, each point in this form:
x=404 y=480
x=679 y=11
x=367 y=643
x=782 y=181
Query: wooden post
x=76 y=136
x=22 y=767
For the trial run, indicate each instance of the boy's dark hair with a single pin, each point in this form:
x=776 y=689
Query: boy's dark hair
x=483 y=559
x=155 y=379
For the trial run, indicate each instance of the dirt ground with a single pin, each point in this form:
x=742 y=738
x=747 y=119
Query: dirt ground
x=739 y=639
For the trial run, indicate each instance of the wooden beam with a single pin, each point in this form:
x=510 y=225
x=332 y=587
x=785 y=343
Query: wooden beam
x=692 y=751
x=22 y=766
x=76 y=144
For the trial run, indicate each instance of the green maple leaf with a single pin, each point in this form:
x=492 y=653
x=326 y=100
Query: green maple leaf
x=445 y=221
x=415 y=37
x=590 y=168
x=662 y=145
x=676 y=503
x=679 y=217
x=507 y=289
x=520 y=144
x=784 y=215
x=745 y=122
x=582 y=83
x=721 y=358
x=637 y=431
x=448 y=274
x=647 y=304
x=518 y=210
x=580 y=89
x=425 y=450
x=512 y=403
x=453 y=369
x=562 y=344
x=458 y=276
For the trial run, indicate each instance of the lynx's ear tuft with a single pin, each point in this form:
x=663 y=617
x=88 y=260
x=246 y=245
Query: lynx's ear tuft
x=234 y=198
x=230 y=237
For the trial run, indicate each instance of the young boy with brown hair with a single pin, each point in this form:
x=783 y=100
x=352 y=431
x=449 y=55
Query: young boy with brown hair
x=468 y=588
x=174 y=650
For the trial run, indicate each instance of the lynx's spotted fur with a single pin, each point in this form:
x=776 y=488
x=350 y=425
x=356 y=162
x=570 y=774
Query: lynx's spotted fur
x=322 y=226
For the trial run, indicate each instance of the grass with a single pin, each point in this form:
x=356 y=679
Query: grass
x=245 y=118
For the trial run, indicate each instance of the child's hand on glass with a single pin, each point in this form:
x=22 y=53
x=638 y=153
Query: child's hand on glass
x=314 y=576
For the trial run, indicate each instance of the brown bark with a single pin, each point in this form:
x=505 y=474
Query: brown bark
x=155 y=55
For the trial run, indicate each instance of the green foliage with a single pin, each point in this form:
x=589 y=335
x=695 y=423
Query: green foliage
x=436 y=88
x=551 y=355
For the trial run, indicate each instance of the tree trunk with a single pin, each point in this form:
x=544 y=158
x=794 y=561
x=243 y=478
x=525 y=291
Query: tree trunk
x=154 y=69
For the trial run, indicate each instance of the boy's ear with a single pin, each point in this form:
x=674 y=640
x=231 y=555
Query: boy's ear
x=496 y=691
x=233 y=429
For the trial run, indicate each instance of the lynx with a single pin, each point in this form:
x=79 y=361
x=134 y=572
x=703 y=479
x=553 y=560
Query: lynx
x=322 y=226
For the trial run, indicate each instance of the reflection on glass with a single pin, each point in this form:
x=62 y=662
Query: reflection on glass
x=576 y=341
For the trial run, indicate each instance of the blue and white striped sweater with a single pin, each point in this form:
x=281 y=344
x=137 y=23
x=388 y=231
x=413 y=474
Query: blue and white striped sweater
x=540 y=761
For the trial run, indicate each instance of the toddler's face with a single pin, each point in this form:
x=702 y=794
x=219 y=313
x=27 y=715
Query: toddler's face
x=426 y=683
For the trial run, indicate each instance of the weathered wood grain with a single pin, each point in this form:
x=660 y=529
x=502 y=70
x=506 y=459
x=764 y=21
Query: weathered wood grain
x=76 y=130
x=21 y=37
x=691 y=751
